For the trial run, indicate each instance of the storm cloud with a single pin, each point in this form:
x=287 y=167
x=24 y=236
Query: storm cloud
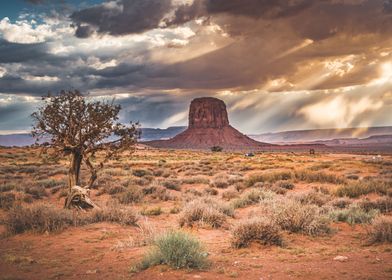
x=121 y=17
x=275 y=63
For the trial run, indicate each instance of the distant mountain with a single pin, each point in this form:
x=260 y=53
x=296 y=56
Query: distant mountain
x=148 y=134
x=306 y=136
x=374 y=140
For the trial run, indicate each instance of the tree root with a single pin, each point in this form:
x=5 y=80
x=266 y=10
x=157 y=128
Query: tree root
x=79 y=198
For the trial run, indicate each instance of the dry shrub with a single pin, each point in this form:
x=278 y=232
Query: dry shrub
x=312 y=197
x=140 y=172
x=381 y=230
x=113 y=213
x=115 y=190
x=293 y=216
x=6 y=200
x=269 y=177
x=220 y=180
x=261 y=230
x=204 y=211
x=229 y=194
x=37 y=192
x=252 y=196
x=211 y=191
x=162 y=194
x=38 y=218
x=235 y=179
x=200 y=179
x=154 y=211
x=285 y=185
x=7 y=187
x=42 y=218
x=358 y=188
x=354 y=215
x=341 y=202
x=318 y=176
x=131 y=195
x=172 y=184
x=193 y=192
x=383 y=204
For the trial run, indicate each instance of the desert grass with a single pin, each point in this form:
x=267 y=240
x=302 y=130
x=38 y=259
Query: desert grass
x=363 y=187
x=381 y=230
x=354 y=215
x=42 y=217
x=177 y=249
x=261 y=230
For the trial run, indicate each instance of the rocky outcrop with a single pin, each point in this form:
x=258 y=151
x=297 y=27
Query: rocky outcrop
x=208 y=112
x=209 y=126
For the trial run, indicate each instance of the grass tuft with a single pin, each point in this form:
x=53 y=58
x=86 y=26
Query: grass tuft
x=176 y=249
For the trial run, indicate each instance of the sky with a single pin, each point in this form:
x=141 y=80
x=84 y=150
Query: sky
x=278 y=64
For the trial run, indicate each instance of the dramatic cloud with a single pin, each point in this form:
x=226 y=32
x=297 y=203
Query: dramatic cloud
x=278 y=64
x=121 y=17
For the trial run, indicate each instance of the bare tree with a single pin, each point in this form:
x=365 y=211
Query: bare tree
x=82 y=128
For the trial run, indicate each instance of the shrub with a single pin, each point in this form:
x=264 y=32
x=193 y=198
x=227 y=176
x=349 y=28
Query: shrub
x=178 y=250
x=211 y=191
x=252 y=196
x=293 y=216
x=358 y=188
x=354 y=215
x=285 y=185
x=6 y=200
x=155 y=211
x=383 y=204
x=42 y=218
x=131 y=195
x=140 y=172
x=162 y=194
x=270 y=177
x=220 y=180
x=204 y=212
x=342 y=202
x=318 y=176
x=381 y=230
x=216 y=149
x=38 y=218
x=229 y=194
x=37 y=192
x=7 y=187
x=256 y=229
x=48 y=183
x=172 y=185
x=114 y=214
x=115 y=190
x=196 y=180
x=312 y=197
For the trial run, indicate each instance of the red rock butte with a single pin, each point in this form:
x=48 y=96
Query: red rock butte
x=209 y=126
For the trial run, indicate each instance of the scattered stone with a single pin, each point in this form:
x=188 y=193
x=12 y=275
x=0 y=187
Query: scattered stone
x=340 y=258
x=94 y=271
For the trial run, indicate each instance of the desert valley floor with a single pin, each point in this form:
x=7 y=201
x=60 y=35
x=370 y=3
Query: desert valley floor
x=162 y=188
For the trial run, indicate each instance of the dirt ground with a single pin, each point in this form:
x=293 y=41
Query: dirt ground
x=108 y=250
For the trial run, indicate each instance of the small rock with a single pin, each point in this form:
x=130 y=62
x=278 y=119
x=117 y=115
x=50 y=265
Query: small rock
x=197 y=276
x=340 y=258
x=92 y=271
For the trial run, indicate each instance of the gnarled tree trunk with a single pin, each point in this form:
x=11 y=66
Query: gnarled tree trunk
x=74 y=169
x=77 y=197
